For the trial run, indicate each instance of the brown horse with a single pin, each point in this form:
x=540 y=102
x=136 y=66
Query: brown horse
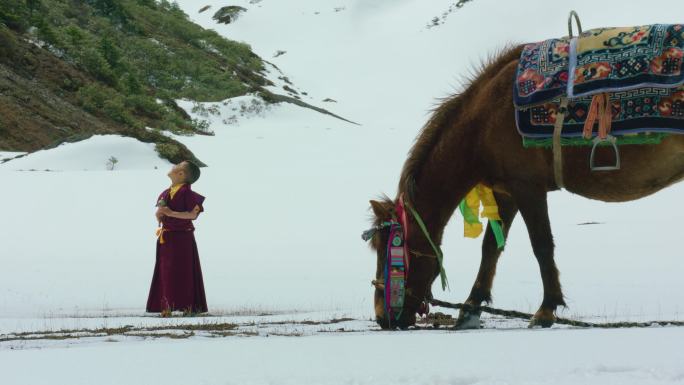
x=471 y=138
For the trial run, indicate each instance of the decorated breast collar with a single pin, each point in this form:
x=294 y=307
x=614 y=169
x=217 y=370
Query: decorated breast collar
x=396 y=272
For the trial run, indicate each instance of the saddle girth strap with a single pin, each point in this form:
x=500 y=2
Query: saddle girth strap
x=557 y=150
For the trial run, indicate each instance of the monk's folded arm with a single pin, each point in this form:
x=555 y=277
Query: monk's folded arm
x=185 y=214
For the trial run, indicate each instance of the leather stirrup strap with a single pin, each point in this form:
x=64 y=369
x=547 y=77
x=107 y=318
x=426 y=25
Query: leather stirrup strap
x=557 y=154
x=600 y=110
x=606 y=118
x=594 y=113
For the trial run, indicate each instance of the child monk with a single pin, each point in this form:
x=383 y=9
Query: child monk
x=177 y=281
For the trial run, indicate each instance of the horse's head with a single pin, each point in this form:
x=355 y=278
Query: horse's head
x=398 y=297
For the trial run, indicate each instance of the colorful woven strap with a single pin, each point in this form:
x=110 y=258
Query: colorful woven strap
x=395 y=272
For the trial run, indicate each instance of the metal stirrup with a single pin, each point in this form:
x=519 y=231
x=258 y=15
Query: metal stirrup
x=612 y=140
x=579 y=24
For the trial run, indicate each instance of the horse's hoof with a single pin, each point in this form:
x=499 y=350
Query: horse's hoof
x=544 y=318
x=540 y=322
x=468 y=320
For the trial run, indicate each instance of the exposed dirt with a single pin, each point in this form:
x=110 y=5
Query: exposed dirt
x=36 y=111
x=39 y=107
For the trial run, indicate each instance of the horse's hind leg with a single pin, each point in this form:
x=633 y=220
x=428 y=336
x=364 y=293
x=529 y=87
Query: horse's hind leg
x=534 y=210
x=482 y=288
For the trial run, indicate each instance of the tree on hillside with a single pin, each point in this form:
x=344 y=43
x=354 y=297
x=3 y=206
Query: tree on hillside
x=112 y=9
x=110 y=52
x=148 y=3
x=14 y=15
x=32 y=5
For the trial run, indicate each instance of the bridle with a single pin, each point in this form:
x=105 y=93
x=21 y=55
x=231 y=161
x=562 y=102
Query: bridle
x=398 y=260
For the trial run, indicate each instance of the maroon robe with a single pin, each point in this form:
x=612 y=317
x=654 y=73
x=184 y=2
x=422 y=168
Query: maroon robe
x=177 y=281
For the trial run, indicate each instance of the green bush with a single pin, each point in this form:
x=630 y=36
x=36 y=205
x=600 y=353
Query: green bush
x=115 y=10
x=14 y=14
x=45 y=32
x=8 y=44
x=130 y=84
x=97 y=65
x=137 y=51
x=32 y=6
x=74 y=36
x=174 y=123
x=106 y=102
x=148 y=3
x=70 y=84
x=110 y=52
x=116 y=110
x=92 y=98
x=228 y=14
x=168 y=150
x=143 y=105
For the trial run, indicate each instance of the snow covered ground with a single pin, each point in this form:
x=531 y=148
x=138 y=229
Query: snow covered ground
x=639 y=357
x=287 y=198
x=99 y=153
x=6 y=155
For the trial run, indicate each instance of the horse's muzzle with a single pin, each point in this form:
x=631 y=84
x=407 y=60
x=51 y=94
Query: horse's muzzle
x=402 y=323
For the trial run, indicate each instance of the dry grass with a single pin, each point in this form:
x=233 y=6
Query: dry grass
x=188 y=330
x=203 y=328
x=308 y=322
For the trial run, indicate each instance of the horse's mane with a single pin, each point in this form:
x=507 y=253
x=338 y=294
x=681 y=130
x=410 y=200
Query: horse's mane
x=445 y=114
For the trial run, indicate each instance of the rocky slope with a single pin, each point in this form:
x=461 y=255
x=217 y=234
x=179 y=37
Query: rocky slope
x=72 y=69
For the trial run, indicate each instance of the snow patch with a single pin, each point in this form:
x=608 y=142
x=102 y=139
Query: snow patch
x=93 y=154
x=6 y=156
x=227 y=112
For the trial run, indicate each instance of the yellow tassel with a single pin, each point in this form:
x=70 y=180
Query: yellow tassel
x=490 y=210
x=472 y=230
x=472 y=200
x=485 y=196
x=160 y=235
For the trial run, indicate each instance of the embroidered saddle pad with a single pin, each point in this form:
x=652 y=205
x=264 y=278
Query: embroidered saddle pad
x=640 y=68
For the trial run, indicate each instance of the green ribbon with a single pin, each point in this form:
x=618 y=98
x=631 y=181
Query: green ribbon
x=468 y=215
x=498 y=233
x=472 y=218
x=438 y=251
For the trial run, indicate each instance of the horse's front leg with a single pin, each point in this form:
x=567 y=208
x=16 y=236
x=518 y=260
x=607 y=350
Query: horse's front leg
x=482 y=288
x=534 y=210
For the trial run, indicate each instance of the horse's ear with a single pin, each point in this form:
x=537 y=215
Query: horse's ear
x=380 y=210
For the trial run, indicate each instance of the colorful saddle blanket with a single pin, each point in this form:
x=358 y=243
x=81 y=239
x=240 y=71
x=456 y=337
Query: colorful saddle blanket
x=640 y=68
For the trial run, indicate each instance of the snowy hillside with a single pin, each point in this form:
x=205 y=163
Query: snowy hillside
x=100 y=152
x=287 y=198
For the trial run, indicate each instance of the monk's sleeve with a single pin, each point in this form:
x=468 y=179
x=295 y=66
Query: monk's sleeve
x=160 y=200
x=193 y=199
